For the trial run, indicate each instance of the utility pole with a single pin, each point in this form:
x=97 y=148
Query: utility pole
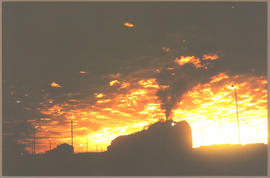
x=238 y=123
x=50 y=144
x=34 y=144
x=71 y=130
x=33 y=149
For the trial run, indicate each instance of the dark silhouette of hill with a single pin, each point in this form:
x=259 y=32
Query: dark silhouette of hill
x=164 y=149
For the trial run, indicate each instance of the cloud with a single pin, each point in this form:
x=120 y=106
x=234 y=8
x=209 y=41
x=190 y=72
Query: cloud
x=55 y=85
x=128 y=24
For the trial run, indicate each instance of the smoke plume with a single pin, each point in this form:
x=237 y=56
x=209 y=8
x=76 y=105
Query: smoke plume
x=179 y=81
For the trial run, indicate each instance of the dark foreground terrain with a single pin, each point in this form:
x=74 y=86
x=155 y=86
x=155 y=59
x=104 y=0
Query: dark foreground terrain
x=164 y=149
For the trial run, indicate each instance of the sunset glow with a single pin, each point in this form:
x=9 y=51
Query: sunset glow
x=135 y=89
x=209 y=108
x=211 y=112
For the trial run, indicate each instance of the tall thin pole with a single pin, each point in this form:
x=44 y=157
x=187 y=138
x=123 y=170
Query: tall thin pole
x=34 y=146
x=50 y=144
x=71 y=130
x=238 y=123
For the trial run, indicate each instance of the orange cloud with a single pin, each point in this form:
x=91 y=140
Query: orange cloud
x=55 y=85
x=114 y=82
x=130 y=25
x=210 y=57
x=189 y=59
x=99 y=95
x=149 y=83
x=125 y=85
x=219 y=77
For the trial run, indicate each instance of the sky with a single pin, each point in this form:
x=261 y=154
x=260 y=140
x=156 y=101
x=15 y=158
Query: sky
x=82 y=47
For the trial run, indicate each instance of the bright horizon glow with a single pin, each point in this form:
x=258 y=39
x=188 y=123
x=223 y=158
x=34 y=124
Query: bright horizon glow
x=204 y=106
x=210 y=104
